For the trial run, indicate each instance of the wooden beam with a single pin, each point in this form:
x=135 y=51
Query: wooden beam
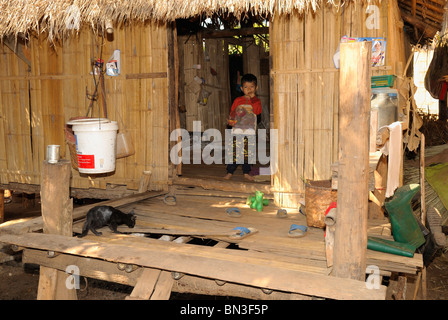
x=353 y=176
x=155 y=284
x=223 y=185
x=108 y=271
x=17 y=47
x=190 y=259
x=173 y=88
x=428 y=16
x=36 y=224
x=427 y=30
x=145 y=285
x=235 y=32
x=149 y=75
x=57 y=208
x=2 y=205
x=429 y=6
x=144 y=181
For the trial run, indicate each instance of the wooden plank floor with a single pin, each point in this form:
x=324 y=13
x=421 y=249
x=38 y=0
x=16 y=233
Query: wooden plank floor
x=202 y=215
x=266 y=259
x=215 y=172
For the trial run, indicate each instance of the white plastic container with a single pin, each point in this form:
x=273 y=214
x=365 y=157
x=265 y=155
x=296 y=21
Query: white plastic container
x=96 y=144
x=385 y=100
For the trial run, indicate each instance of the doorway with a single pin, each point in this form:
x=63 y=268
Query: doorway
x=213 y=54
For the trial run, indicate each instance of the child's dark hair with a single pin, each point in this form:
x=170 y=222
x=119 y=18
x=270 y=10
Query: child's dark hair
x=248 y=77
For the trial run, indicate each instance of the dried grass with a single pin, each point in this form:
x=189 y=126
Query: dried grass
x=24 y=17
x=435 y=131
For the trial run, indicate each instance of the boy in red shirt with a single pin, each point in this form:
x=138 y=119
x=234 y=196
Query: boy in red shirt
x=249 y=88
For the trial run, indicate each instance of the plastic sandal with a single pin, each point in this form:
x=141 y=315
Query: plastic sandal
x=242 y=232
x=297 y=231
x=169 y=200
x=233 y=212
x=282 y=213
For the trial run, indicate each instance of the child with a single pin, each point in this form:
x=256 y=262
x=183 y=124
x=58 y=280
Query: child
x=249 y=88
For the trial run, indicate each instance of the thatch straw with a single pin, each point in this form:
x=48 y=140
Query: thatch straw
x=62 y=17
x=435 y=131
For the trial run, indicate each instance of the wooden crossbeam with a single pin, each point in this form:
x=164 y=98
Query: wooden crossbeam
x=145 y=285
x=221 y=265
x=36 y=224
x=108 y=271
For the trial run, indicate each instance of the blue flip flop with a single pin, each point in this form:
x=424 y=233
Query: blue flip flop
x=297 y=231
x=242 y=232
x=233 y=212
x=170 y=200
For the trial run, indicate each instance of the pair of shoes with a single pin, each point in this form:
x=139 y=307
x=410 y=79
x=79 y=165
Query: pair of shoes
x=7 y=200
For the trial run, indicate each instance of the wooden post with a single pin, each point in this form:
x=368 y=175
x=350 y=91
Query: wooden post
x=2 y=205
x=350 y=244
x=57 y=210
x=144 y=181
x=423 y=204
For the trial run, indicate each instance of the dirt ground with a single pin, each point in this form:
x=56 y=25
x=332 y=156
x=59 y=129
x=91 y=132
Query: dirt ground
x=19 y=281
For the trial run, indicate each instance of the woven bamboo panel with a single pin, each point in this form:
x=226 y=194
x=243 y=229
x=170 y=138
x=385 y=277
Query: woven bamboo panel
x=197 y=61
x=59 y=81
x=16 y=157
x=306 y=88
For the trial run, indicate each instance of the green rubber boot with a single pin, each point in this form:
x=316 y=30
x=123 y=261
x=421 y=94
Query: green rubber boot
x=387 y=246
x=405 y=228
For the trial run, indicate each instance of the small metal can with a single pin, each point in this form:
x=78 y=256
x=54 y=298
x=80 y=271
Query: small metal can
x=53 y=153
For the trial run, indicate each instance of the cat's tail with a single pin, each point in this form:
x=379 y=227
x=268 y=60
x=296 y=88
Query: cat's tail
x=85 y=229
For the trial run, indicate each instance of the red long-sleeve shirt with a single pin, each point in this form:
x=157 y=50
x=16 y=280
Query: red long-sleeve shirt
x=254 y=102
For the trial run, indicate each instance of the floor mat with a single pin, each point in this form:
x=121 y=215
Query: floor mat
x=437 y=177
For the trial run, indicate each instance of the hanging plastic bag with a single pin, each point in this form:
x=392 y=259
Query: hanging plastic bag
x=437 y=70
x=203 y=96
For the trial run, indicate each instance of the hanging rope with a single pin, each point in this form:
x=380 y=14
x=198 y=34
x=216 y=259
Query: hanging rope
x=97 y=67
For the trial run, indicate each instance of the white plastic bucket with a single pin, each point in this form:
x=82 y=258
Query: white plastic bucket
x=96 y=143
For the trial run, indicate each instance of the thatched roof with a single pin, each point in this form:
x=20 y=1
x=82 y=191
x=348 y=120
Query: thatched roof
x=60 y=17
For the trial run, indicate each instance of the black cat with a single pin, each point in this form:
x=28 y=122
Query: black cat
x=101 y=216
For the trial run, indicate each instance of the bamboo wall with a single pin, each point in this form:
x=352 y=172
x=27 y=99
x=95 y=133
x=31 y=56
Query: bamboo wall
x=210 y=53
x=252 y=57
x=36 y=104
x=306 y=88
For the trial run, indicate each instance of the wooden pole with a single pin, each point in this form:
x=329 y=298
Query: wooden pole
x=423 y=205
x=144 y=181
x=350 y=244
x=57 y=214
x=2 y=205
x=422 y=180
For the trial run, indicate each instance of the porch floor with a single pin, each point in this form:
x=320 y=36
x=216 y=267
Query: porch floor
x=198 y=246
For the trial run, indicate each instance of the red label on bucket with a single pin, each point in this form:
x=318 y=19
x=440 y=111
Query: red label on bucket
x=86 y=161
